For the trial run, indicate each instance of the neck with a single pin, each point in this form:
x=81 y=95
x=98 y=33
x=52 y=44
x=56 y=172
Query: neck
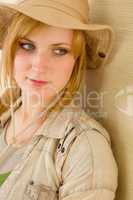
x=32 y=107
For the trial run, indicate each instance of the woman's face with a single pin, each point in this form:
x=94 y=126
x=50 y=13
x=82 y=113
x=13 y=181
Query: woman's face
x=44 y=55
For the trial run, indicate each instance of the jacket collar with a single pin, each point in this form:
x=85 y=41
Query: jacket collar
x=57 y=123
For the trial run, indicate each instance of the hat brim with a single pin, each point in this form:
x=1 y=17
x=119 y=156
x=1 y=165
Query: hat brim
x=99 y=37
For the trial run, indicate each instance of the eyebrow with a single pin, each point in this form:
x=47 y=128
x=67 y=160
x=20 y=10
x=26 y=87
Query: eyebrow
x=55 y=44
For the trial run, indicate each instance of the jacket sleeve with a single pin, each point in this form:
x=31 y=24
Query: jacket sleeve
x=90 y=170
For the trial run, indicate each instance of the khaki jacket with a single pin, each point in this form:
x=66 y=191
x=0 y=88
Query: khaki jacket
x=70 y=159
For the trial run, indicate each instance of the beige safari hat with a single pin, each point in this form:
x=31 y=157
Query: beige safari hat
x=71 y=14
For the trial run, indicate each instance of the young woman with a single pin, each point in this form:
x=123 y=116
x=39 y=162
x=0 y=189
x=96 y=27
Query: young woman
x=49 y=147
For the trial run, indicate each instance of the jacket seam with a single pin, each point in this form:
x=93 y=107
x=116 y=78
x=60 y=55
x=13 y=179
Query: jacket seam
x=102 y=135
x=91 y=158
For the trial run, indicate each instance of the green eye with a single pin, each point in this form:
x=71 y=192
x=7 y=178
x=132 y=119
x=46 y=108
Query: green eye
x=61 y=51
x=26 y=46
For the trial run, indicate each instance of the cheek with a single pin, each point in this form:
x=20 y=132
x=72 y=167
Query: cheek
x=64 y=71
x=20 y=66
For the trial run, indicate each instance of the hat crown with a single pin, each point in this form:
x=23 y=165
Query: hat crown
x=81 y=7
x=71 y=14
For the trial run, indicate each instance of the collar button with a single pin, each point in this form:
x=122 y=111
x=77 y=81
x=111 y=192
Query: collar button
x=31 y=182
x=62 y=150
x=59 y=145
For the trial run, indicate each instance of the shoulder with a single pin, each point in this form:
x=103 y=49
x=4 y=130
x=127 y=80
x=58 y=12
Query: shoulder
x=88 y=125
x=94 y=139
x=90 y=154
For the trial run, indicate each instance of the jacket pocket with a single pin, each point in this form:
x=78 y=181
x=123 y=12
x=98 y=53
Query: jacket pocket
x=39 y=192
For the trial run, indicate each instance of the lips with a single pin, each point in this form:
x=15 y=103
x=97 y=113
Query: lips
x=39 y=82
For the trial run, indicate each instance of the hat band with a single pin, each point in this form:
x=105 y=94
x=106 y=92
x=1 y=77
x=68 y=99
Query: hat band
x=58 y=6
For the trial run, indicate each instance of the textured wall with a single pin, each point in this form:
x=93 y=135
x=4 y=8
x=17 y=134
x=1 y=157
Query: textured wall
x=112 y=88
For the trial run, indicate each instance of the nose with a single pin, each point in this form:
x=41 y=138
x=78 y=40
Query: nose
x=40 y=62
